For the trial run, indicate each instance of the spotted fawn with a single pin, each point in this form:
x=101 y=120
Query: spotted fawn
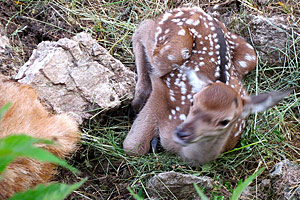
x=189 y=91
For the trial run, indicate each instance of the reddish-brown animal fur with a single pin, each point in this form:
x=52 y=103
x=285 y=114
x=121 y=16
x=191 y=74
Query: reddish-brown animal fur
x=189 y=89
x=28 y=116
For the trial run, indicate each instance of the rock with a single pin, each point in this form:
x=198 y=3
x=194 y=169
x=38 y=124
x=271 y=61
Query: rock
x=4 y=41
x=7 y=65
x=77 y=75
x=170 y=184
x=261 y=191
x=271 y=36
x=285 y=179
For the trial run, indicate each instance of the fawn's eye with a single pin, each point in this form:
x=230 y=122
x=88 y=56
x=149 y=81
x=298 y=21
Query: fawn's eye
x=224 y=122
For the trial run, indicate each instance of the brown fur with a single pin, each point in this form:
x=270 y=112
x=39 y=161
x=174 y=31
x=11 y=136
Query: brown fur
x=218 y=97
x=27 y=115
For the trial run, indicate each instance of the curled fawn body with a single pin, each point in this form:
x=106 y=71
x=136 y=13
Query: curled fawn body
x=27 y=116
x=189 y=91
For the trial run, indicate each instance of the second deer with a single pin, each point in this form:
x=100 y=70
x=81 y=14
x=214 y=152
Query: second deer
x=189 y=91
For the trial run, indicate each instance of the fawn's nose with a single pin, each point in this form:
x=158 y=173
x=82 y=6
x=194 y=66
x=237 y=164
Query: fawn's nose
x=183 y=135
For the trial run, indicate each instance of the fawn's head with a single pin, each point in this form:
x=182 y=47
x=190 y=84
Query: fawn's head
x=215 y=110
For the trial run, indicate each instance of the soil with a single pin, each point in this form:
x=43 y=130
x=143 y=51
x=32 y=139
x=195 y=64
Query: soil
x=28 y=29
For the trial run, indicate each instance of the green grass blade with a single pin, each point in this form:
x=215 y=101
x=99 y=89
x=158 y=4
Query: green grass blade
x=242 y=186
x=57 y=191
x=200 y=193
x=136 y=196
x=22 y=145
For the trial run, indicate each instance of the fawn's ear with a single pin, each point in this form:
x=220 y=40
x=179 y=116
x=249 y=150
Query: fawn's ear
x=262 y=102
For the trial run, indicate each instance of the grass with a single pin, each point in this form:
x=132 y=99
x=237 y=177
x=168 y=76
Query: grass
x=269 y=137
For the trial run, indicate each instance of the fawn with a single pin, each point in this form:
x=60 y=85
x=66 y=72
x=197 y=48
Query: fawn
x=189 y=91
x=27 y=115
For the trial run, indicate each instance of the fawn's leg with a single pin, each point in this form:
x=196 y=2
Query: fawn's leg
x=143 y=86
x=143 y=130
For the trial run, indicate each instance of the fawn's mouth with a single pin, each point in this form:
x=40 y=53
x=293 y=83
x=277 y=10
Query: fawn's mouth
x=183 y=138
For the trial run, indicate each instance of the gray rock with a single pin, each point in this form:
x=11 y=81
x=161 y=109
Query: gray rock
x=285 y=179
x=4 y=41
x=172 y=184
x=77 y=75
x=272 y=35
x=8 y=62
x=259 y=191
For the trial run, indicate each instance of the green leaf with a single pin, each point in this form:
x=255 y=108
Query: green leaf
x=200 y=193
x=136 y=196
x=57 y=191
x=22 y=145
x=4 y=109
x=243 y=185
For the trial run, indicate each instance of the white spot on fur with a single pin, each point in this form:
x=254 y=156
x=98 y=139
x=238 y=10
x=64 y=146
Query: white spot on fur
x=179 y=14
x=217 y=74
x=189 y=21
x=165 y=18
x=181 y=32
x=171 y=57
x=172 y=98
x=243 y=64
x=183 y=89
x=233 y=36
x=237 y=133
x=158 y=31
x=195 y=81
x=209 y=18
x=173 y=111
x=185 y=53
x=197 y=22
x=249 y=46
x=250 y=57
x=182 y=117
